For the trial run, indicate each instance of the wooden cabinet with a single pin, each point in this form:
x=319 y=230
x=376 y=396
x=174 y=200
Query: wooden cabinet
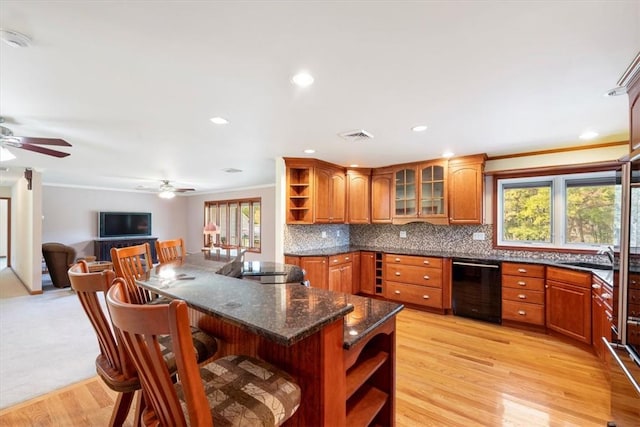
x=381 y=197
x=367 y=273
x=370 y=371
x=466 y=185
x=523 y=293
x=316 y=192
x=420 y=192
x=315 y=268
x=414 y=280
x=299 y=193
x=568 y=303
x=329 y=195
x=340 y=273
x=358 y=196
x=601 y=315
x=102 y=247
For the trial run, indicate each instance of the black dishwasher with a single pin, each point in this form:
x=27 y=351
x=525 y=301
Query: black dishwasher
x=476 y=289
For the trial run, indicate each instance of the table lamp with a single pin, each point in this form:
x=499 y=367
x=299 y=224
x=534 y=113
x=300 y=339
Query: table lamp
x=211 y=229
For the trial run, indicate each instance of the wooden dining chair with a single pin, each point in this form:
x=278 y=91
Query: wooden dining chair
x=134 y=262
x=170 y=250
x=112 y=364
x=230 y=391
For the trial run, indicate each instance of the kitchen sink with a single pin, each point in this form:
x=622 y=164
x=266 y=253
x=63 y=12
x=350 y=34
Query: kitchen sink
x=590 y=265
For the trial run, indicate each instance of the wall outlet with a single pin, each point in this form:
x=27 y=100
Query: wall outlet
x=324 y=234
x=478 y=236
x=338 y=233
x=403 y=234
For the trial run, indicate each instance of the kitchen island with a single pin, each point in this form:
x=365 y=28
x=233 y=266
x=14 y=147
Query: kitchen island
x=340 y=348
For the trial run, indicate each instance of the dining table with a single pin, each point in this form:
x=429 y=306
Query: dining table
x=316 y=335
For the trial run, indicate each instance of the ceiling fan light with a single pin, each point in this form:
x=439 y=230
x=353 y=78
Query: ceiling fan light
x=6 y=155
x=165 y=194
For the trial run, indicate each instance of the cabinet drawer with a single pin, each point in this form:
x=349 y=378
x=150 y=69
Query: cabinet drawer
x=421 y=295
x=566 y=275
x=521 y=282
x=340 y=259
x=413 y=260
x=523 y=312
x=415 y=275
x=521 y=269
x=523 y=295
x=603 y=290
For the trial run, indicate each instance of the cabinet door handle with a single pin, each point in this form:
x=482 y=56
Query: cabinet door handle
x=425 y=296
x=595 y=286
x=522 y=270
x=397 y=292
x=522 y=296
x=397 y=273
x=426 y=261
x=426 y=277
x=397 y=260
x=335 y=260
x=346 y=258
x=605 y=296
x=522 y=312
x=522 y=283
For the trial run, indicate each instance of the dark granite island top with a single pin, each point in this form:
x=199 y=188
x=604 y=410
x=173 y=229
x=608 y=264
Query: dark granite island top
x=282 y=313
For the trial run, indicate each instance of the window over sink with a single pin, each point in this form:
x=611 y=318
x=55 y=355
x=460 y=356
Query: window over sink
x=568 y=211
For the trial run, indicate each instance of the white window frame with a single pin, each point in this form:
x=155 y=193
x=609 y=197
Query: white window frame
x=558 y=210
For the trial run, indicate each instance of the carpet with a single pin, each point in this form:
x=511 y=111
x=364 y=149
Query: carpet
x=46 y=341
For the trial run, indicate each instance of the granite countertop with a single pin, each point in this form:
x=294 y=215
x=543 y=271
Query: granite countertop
x=367 y=314
x=606 y=275
x=282 y=313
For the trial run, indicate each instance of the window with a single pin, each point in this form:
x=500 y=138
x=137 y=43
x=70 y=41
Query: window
x=572 y=211
x=239 y=222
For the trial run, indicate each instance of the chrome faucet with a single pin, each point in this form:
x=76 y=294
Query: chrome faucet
x=609 y=252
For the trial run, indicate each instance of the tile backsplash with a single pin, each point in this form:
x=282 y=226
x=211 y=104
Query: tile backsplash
x=419 y=236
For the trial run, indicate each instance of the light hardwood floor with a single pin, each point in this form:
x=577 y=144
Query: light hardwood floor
x=451 y=371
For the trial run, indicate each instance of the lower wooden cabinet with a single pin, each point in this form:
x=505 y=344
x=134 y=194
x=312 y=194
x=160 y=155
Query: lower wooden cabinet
x=414 y=280
x=523 y=293
x=367 y=283
x=568 y=303
x=315 y=268
x=414 y=294
x=341 y=273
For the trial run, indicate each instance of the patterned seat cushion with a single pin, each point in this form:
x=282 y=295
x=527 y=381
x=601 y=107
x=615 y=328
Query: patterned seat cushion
x=204 y=344
x=244 y=391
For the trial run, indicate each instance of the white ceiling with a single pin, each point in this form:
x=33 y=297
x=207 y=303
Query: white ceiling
x=132 y=85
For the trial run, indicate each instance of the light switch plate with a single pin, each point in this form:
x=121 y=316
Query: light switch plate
x=403 y=234
x=324 y=234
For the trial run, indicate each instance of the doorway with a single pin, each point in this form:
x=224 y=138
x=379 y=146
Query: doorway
x=5 y=232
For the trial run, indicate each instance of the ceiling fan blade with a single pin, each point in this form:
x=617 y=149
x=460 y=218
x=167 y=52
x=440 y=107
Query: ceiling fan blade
x=44 y=141
x=183 y=190
x=43 y=150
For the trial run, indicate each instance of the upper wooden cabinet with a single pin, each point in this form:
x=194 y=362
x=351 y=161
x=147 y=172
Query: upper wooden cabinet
x=630 y=80
x=466 y=184
x=330 y=195
x=358 y=196
x=316 y=192
x=420 y=192
x=381 y=199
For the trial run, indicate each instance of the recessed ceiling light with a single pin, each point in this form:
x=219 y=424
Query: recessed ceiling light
x=588 y=135
x=302 y=79
x=219 y=120
x=354 y=165
x=447 y=154
x=309 y=151
x=419 y=128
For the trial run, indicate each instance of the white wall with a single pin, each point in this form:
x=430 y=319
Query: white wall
x=70 y=215
x=4 y=219
x=26 y=232
x=195 y=214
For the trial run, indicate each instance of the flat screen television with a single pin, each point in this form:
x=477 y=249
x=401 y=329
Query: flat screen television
x=124 y=224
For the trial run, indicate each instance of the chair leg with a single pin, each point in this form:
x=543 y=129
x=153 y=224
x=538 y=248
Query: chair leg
x=121 y=409
x=140 y=406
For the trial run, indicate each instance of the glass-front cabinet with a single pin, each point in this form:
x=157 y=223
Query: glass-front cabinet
x=421 y=192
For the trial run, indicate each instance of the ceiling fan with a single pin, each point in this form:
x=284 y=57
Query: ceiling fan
x=8 y=140
x=166 y=190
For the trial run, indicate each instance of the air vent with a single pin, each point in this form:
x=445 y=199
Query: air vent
x=232 y=170
x=356 y=135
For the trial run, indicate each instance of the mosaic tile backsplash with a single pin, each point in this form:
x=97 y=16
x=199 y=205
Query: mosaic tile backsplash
x=420 y=236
